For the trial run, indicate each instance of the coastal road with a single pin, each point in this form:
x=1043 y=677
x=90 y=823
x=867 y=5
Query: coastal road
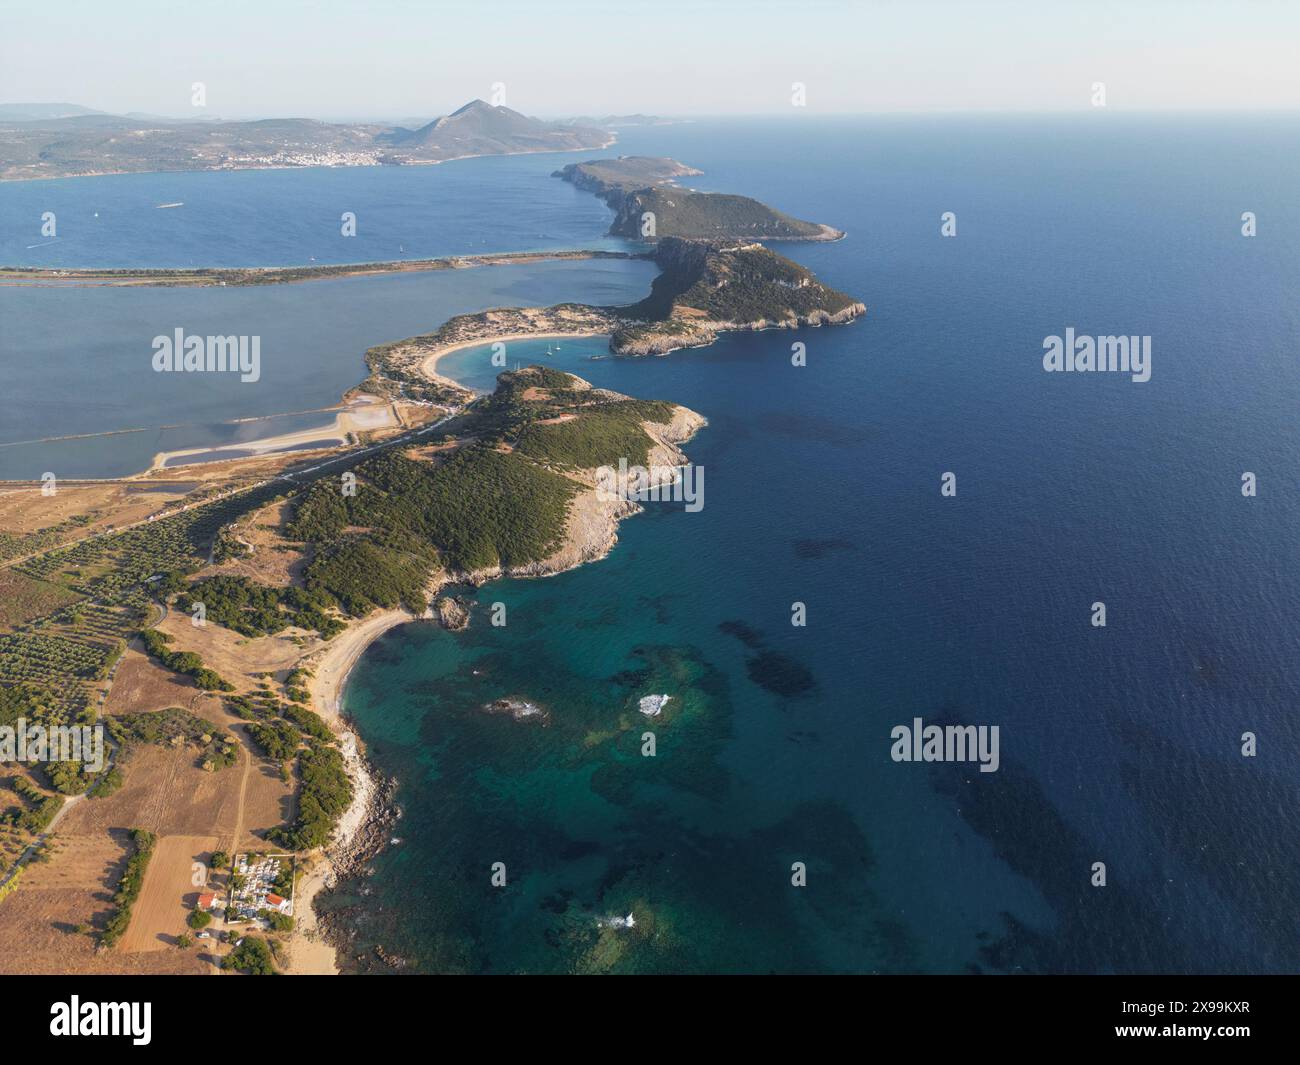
x=292 y=477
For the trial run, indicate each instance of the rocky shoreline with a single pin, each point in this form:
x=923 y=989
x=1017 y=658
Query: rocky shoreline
x=697 y=277
x=367 y=826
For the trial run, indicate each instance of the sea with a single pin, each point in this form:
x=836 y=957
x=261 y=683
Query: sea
x=911 y=524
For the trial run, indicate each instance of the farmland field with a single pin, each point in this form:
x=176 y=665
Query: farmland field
x=158 y=918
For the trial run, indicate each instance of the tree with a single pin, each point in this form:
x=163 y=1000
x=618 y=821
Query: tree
x=279 y=922
x=220 y=859
x=253 y=955
x=184 y=942
x=199 y=919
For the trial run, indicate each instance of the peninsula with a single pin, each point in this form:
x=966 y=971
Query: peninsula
x=705 y=288
x=227 y=734
x=639 y=186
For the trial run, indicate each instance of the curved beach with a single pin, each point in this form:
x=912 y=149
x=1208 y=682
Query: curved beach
x=592 y=533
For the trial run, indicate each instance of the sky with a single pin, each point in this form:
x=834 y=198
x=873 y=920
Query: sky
x=391 y=59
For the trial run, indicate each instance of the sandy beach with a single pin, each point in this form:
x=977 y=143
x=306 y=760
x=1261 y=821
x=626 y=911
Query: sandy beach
x=429 y=366
x=593 y=531
x=358 y=417
x=340 y=655
x=309 y=952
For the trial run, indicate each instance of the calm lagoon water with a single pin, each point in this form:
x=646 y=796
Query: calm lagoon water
x=291 y=217
x=1119 y=745
x=80 y=358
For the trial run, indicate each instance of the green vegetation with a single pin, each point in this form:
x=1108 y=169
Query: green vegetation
x=107 y=784
x=613 y=178
x=252 y=956
x=199 y=919
x=743 y=284
x=69 y=778
x=15 y=546
x=480 y=509
x=634 y=185
x=242 y=706
x=279 y=922
x=311 y=723
x=174 y=727
x=129 y=888
x=185 y=662
x=277 y=739
x=599 y=437
x=706 y=285
x=362 y=574
x=324 y=795
x=23 y=598
x=253 y=609
x=34 y=658
x=283 y=882
x=708 y=216
x=39 y=812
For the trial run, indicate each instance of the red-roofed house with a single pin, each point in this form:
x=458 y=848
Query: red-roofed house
x=280 y=905
x=208 y=901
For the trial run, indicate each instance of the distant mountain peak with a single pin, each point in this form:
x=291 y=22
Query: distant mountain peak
x=74 y=144
x=474 y=105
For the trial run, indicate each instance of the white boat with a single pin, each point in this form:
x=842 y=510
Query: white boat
x=164 y=206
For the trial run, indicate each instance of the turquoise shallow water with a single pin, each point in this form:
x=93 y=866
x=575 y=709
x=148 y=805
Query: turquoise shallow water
x=822 y=486
x=1118 y=745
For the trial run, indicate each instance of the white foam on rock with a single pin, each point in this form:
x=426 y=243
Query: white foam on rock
x=653 y=705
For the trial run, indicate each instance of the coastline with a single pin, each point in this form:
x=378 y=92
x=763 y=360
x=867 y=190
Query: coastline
x=609 y=142
x=245 y=276
x=309 y=949
x=361 y=831
x=429 y=363
x=361 y=415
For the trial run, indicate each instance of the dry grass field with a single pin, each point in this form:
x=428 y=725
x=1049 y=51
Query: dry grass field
x=234 y=656
x=168 y=894
x=23 y=598
x=39 y=923
x=25 y=510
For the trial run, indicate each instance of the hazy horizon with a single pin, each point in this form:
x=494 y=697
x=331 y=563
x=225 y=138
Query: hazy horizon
x=395 y=60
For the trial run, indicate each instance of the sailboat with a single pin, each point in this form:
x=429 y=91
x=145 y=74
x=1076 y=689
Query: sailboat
x=549 y=352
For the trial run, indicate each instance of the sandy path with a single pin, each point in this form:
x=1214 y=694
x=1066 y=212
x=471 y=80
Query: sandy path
x=239 y=810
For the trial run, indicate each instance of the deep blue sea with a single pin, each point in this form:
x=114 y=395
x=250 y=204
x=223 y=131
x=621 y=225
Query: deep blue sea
x=1119 y=745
